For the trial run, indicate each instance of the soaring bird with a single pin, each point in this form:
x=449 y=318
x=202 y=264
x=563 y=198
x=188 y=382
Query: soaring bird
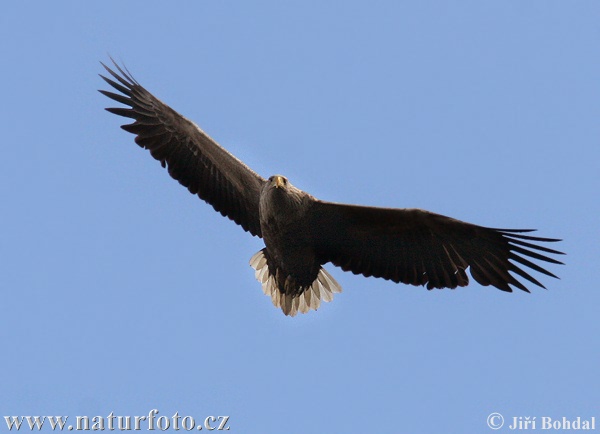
x=302 y=233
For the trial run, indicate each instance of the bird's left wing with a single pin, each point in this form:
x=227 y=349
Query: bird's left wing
x=191 y=156
x=418 y=247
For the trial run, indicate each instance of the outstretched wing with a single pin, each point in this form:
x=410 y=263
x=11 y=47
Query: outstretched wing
x=191 y=156
x=418 y=247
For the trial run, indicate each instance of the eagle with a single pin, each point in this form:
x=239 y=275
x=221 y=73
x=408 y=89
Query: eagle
x=302 y=233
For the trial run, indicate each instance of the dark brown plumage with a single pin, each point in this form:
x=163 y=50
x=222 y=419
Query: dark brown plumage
x=302 y=233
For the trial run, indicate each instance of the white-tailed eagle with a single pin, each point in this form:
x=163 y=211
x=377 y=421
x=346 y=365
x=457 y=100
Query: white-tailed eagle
x=302 y=233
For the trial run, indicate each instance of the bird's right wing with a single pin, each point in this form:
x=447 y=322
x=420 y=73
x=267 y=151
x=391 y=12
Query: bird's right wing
x=418 y=247
x=191 y=156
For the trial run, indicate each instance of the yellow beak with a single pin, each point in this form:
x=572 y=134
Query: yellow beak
x=279 y=182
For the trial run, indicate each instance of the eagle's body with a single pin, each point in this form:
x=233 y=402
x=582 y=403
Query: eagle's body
x=286 y=232
x=291 y=265
x=302 y=233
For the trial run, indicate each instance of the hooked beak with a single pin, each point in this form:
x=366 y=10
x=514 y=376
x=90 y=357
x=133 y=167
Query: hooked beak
x=278 y=181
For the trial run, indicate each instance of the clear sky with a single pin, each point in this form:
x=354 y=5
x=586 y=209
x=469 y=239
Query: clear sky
x=123 y=293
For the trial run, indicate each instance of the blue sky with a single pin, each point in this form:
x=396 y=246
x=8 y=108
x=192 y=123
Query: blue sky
x=122 y=292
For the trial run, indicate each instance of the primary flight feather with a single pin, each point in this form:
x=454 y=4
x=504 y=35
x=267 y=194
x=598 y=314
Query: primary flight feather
x=302 y=233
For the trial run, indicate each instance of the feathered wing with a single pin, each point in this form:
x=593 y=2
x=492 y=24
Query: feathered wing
x=191 y=156
x=418 y=247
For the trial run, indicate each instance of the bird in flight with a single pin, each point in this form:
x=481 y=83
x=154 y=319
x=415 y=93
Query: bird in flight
x=302 y=233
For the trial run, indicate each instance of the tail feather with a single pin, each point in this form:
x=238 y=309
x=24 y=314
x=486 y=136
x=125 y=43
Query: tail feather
x=307 y=299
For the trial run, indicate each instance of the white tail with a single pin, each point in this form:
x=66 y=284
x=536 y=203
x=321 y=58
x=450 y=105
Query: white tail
x=322 y=288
